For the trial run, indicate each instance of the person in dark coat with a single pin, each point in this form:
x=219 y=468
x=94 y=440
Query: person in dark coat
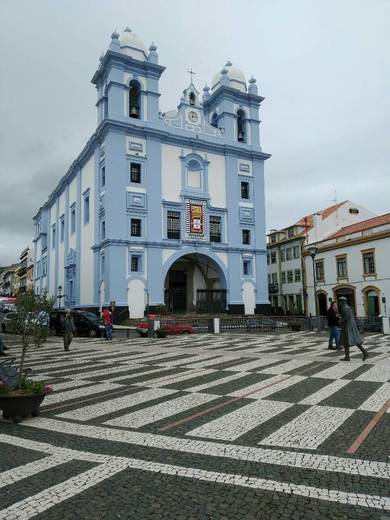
x=350 y=334
x=334 y=326
x=68 y=329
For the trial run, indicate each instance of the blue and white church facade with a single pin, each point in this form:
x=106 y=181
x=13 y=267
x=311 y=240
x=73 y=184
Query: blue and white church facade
x=160 y=208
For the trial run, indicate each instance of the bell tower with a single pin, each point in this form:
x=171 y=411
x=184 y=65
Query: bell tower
x=127 y=80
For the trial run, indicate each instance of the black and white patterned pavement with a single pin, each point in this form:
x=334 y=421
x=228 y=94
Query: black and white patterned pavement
x=202 y=427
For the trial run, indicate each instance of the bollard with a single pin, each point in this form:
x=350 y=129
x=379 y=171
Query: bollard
x=216 y=326
x=385 y=325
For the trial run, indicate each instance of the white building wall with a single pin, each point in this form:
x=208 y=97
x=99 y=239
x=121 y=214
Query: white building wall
x=51 y=252
x=87 y=235
x=61 y=245
x=72 y=200
x=355 y=279
x=216 y=174
x=171 y=172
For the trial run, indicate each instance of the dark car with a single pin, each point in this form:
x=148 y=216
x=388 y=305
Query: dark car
x=86 y=323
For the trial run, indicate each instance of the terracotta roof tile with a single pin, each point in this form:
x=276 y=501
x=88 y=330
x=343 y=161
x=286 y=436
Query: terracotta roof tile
x=362 y=226
x=307 y=221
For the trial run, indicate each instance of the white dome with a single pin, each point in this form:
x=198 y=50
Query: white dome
x=132 y=45
x=235 y=75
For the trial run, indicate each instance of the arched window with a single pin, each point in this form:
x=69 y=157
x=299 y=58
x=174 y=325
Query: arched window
x=194 y=175
x=192 y=99
x=134 y=99
x=214 y=120
x=241 y=126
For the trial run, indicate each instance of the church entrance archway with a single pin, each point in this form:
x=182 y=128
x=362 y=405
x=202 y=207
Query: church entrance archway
x=322 y=302
x=195 y=283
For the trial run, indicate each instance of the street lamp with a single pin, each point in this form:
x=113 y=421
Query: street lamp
x=60 y=296
x=313 y=252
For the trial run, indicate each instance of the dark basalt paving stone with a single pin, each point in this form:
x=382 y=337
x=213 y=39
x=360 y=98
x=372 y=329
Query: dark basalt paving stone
x=198 y=379
x=13 y=456
x=310 y=477
x=352 y=395
x=231 y=363
x=376 y=446
x=254 y=437
x=43 y=480
x=139 y=378
x=168 y=359
x=358 y=372
x=143 y=495
x=238 y=384
x=299 y=391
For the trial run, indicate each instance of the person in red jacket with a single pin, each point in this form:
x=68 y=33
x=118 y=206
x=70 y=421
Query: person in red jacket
x=107 y=318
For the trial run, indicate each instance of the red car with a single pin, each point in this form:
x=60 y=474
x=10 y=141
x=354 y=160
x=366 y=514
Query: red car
x=170 y=328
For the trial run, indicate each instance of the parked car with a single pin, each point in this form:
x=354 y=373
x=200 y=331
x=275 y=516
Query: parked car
x=170 y=328
x=86 y=323
x=264 y=324
x=8 y=322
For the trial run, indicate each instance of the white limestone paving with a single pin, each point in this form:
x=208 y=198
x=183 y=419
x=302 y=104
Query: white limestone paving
x=234 y=424
x=161 y=411
x=310 y=429
x=85 y=413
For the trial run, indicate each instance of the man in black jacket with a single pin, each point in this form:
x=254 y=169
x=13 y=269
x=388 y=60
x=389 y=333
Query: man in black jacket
x=334 y=326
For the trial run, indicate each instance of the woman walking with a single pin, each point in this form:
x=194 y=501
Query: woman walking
x=334 y=326
x=350 y=334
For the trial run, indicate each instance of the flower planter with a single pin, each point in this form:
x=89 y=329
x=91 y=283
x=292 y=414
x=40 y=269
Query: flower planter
x=17 y=407
x=296 y=327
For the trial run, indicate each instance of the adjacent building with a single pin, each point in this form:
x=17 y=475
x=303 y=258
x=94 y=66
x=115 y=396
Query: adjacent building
x=25 y=270
x=286 y=266
x=9 y=281
x=160 y=208
x=352 y=262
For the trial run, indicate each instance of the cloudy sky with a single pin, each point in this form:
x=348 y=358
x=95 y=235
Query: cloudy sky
x=323 y=67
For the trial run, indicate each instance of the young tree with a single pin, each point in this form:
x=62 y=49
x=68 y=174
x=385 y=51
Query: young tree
x=32 y=323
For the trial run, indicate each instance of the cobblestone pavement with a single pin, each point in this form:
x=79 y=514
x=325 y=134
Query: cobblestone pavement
x=202 y=427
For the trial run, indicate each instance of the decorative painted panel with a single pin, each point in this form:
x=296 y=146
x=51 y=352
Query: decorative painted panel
x=195 y=219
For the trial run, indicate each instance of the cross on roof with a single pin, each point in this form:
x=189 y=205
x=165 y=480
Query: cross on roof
x=191 y=72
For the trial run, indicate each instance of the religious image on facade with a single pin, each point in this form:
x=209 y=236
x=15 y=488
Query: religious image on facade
x=160 y=208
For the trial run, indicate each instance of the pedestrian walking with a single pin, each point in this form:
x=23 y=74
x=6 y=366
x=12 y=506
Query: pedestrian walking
x=68 y=329
x=107 y=319
x=350 y=334
x=334 y=326
x=3 y=346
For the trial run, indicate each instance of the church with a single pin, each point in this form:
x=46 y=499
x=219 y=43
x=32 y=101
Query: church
x=160 y=209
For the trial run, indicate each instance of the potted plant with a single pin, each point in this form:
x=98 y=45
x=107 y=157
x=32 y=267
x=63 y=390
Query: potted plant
x=19 y=395
x=295 y=326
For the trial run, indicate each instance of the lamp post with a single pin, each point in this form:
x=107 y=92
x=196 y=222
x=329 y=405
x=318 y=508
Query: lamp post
x=59 y=296
x=313 y=252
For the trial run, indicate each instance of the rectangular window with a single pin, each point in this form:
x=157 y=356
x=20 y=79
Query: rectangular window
x=369 y=262
x=290 y=233
x=173 y=225
x=283 y=276
x=102 y=265
x=298 y=299
x=136 y=227
x=269 y=278
x=103 y=176
x=341 y=263
x=245 y=190
x=297 y=275
x=86 y=209
x=282 y=255
x=44 y=266
x=103 y=229
x=73 y=219
x=135 y=172
x=320 y=271
x=246 y=236
x=289 y=276
x=215 y=229
x=247 y=267
x=53 y=236
x=274 y=277
x=71 y=290
x=62 y=228
x=38 y=269
x=296 y=252
x=268 y=258
x=273 y=257
x=289 y=254
x=134 y=263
